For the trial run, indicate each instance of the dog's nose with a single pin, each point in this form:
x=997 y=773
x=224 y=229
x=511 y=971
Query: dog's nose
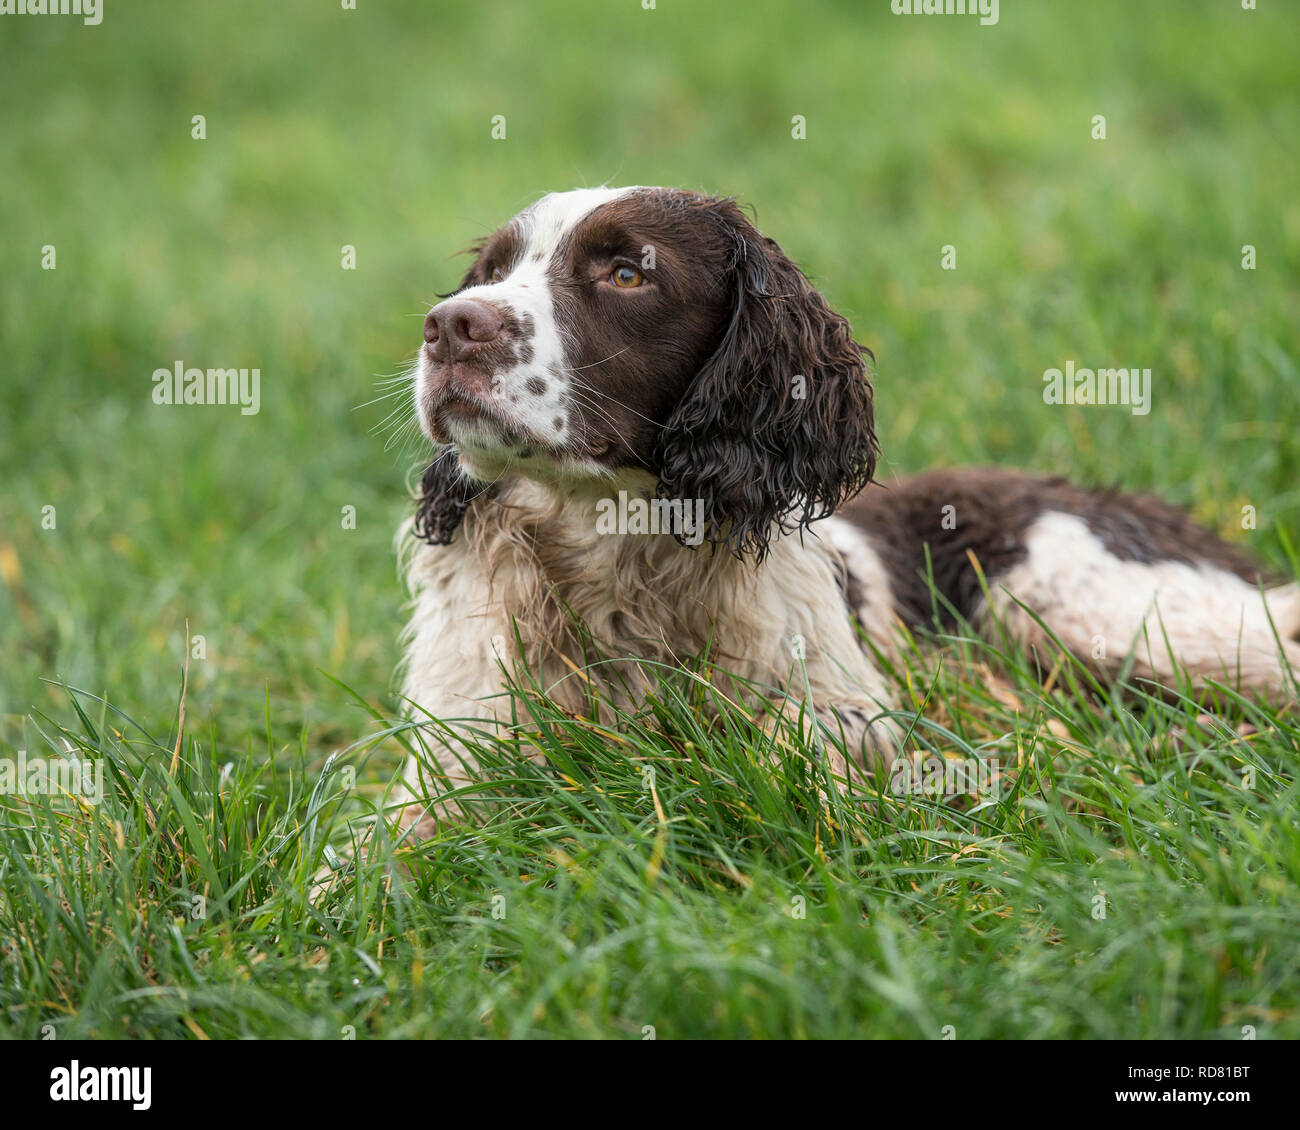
x=462 y=326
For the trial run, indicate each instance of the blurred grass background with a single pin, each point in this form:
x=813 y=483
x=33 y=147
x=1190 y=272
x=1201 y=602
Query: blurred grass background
x=328 y=127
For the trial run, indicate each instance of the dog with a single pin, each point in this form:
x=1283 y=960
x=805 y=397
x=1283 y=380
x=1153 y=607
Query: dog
x=647 y=350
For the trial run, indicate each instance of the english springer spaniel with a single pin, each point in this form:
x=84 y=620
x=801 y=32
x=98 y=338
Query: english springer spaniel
x=618 y=353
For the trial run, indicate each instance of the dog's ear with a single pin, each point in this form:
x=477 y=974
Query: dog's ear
x=776 y=429
x=445 y=495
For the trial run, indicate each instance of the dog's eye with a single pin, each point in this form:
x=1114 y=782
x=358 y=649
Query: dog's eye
x=626 y=277
x=496 y=275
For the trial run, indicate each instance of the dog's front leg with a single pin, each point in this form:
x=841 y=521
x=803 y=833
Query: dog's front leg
x=459 y=645
x=850 y=700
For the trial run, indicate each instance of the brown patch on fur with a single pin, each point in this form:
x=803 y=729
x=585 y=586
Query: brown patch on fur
x=632 y=352
x=993 y=509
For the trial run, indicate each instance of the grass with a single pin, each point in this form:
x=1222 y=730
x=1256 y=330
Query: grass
x=581 y=903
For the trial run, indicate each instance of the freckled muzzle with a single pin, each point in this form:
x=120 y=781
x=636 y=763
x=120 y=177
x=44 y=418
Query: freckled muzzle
x=474 y=366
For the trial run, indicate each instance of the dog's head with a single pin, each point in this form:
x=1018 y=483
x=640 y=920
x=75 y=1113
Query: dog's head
x=646 y=329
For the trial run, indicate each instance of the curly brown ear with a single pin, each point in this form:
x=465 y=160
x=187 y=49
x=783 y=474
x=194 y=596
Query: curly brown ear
x=445 y=495
x=776 y=430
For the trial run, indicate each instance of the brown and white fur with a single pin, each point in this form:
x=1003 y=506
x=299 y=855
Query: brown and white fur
x=652 y=341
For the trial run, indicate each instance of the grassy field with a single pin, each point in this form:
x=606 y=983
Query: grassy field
x=1139 y=872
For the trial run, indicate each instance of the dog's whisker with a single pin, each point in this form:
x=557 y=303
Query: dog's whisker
x=579 y=368
x=588 y=390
